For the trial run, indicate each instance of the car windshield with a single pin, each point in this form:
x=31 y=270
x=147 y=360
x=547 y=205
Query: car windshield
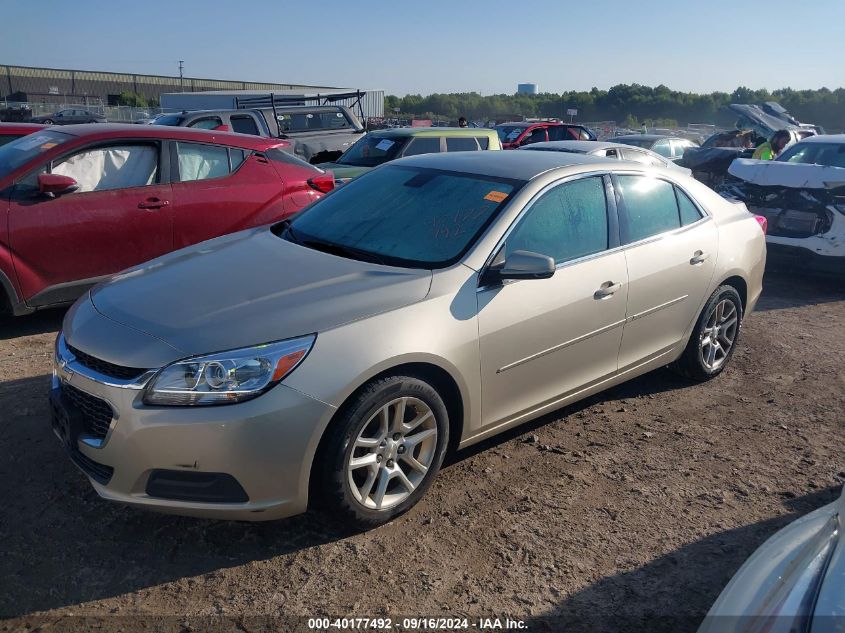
x=403 y=216
x=371 y=150
x=168 y=119
x=22 y=150
x=509 y=133
x=828 y=154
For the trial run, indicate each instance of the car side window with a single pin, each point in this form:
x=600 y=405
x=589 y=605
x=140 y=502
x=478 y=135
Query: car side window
x=650 y=205
x=642 y=157
x=483 y=142
x=663 y=148
x=461 y=144
x=202 y=162
x=112 y=167
x=689 y=212
x=423 y=145
x=537 y=136
x=244 y=125
x=209 y=123
x=567 y=222
x=559 y=133
x=679 y=147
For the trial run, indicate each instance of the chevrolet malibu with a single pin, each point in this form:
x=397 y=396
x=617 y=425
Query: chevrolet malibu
x=334 y=358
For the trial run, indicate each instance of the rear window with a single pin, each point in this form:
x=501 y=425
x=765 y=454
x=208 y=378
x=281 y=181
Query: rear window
x=305 y=121
x=244 y=125
x=461 y=144
x=22 y=150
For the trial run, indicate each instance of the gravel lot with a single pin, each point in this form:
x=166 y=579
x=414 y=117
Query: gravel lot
x=638 y=504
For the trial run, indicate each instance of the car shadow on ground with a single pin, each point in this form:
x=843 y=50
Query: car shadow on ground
x=63 y=545
x=793 y=290
x=674 y=592
x=29 y=324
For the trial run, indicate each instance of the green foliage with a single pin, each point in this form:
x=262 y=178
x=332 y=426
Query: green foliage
x=128 y=98
x=627 y=104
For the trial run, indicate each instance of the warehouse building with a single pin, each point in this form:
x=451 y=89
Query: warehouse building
x=87 y=87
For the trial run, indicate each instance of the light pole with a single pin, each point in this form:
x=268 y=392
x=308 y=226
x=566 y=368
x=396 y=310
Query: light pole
x=181 y=81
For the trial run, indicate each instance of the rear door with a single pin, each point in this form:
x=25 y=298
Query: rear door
x=219 y=190
x=119 y=217
x=671 y=256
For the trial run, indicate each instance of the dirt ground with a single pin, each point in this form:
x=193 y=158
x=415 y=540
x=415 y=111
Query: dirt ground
x=629 y=511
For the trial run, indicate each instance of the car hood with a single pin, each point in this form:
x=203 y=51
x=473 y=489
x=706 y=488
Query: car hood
x=769 y=173
x=249 y=288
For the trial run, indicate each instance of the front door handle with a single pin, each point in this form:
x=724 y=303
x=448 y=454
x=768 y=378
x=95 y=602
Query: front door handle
x=606 y=290
x=153 y=203
x=698 y=257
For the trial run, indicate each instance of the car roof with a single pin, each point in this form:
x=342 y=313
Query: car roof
x=12 y=128
x=650 y=137
x=824 y=138
x=574 y=146
x=105 y=131
x=532 y=123
x=435 y=131
x=514 y=164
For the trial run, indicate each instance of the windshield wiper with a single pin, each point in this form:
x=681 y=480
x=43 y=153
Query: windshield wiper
x=341 y=249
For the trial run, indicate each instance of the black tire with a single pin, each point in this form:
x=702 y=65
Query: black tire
x=48 y=121
x=333 y=491
x=691 y=364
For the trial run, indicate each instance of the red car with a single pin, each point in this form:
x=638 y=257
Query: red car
x=514 y=135
x=80 y=203
x=11 y=131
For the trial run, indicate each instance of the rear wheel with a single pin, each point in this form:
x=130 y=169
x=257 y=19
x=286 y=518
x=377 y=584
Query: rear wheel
x=714 y=337
x=383 y=452
x=48 y=121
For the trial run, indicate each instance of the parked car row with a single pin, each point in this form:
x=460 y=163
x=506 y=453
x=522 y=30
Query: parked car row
x=81 y=203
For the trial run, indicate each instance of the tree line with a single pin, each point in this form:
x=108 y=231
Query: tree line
x=627 y=104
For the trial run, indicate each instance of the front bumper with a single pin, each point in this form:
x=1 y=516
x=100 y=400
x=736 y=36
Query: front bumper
x=266 y=445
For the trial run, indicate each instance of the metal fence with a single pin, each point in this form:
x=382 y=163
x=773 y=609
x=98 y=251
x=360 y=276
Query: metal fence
x=115 y=114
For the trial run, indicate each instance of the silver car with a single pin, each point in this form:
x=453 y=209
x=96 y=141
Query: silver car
x=607 y=149
x=432 y=303
x=794 y=582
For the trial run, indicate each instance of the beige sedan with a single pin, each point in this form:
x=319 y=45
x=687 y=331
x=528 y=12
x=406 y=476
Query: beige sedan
x=434 y=302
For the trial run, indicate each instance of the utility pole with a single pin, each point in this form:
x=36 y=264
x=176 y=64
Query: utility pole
x=181 y=80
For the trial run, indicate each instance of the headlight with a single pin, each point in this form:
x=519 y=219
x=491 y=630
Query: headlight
x=227 y=377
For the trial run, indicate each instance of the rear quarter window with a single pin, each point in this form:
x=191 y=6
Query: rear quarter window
x=461 y=144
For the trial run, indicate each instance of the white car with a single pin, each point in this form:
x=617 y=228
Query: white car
x=802 y=195
x=606 y=149
x=795 y=581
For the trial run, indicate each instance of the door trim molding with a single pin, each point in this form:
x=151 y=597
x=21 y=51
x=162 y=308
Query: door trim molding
x=560 y=346
x=645 y=313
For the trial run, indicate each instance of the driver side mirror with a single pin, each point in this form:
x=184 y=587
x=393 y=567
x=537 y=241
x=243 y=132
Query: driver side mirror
x=56 y=184
x=521 y=265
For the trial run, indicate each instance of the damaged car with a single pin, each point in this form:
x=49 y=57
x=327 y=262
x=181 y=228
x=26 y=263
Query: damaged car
x=753 y=125
x=802 y=195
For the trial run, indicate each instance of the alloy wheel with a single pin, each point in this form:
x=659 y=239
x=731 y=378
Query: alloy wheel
x=392 y=453
x=718 y=335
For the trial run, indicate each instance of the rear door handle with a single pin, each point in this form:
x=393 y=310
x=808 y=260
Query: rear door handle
x=698 y=257
x=606 y=290
x=153 y=203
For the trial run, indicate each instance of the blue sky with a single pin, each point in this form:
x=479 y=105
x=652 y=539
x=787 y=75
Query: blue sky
x=442 y=46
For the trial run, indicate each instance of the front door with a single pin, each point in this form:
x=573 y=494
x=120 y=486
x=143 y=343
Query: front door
x=119 y=216
x=543 y=339
x=670 y=265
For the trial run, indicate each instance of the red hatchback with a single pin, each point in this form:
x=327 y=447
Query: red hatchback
x=83 y=202
x=11 y=131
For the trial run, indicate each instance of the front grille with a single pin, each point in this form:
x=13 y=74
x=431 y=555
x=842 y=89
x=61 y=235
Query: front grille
x=98 y=472
x=96 y=413
x=104 y=367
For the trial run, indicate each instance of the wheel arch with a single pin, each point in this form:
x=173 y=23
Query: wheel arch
x=441 y=379
x=739 y=284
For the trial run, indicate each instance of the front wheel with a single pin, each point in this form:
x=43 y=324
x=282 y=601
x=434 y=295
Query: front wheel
x=714 y=337
x=48 y=121
x=384 y=450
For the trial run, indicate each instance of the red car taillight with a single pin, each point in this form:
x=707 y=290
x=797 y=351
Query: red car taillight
x=322 y=183
x=763 y=222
